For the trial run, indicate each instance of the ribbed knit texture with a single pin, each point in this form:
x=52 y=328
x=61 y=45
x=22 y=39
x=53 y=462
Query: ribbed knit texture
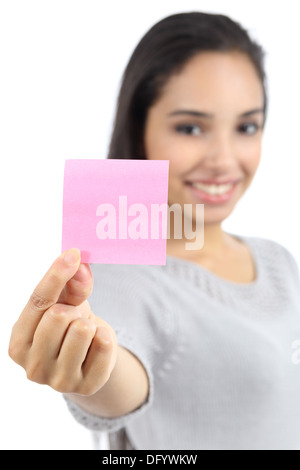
x=217 y=353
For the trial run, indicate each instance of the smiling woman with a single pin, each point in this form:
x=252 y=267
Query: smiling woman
x=194 y=93
x=195 y=354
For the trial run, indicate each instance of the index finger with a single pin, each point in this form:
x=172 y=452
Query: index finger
x=47 y=292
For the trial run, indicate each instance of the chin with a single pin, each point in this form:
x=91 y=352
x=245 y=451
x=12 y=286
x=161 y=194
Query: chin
x=217 y=217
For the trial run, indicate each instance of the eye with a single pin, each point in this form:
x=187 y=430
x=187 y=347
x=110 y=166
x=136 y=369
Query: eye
x=249 y=128
x=189 y=129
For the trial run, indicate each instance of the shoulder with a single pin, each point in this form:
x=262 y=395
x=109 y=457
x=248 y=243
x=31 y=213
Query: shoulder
x=274 y=256
x=270 y=248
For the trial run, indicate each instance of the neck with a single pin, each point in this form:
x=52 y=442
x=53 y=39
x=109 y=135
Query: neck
x=214 y=242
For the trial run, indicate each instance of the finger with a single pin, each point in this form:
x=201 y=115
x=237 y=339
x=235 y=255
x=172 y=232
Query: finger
x=79 y=288
x=51 y=331
x=40 y=363
x=47 y=293
x=99 y=362
x=73 y=352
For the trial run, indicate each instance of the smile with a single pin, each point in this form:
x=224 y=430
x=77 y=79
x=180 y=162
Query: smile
x=212 y=193
x=213 y=189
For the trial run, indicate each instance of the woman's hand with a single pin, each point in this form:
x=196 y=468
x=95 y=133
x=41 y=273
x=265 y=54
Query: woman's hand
x=57 y=339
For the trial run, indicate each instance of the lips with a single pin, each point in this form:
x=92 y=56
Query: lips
x=214 y=181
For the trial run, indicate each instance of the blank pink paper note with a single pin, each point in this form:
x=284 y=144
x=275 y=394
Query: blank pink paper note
x=114 y=211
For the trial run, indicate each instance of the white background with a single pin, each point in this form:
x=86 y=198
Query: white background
x=61 y=62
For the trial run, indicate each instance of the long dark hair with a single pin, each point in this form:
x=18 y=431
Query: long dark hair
x=164 y=49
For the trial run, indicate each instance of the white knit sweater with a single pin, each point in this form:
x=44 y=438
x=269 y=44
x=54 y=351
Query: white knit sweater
x=217 y=353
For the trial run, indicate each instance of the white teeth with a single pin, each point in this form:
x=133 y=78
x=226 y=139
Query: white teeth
x=214 y=189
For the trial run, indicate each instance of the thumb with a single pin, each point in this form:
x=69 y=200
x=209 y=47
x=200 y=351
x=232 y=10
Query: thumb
x=79 y=287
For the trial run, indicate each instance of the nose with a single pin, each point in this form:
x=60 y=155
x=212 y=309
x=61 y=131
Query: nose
x=220 y=152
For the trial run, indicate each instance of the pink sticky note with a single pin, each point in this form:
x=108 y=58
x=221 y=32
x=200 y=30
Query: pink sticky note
x=115 y=211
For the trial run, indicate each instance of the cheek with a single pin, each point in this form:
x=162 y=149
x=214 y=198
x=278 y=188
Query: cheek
x=250 y=158
x=167 y=146
x=182 y=156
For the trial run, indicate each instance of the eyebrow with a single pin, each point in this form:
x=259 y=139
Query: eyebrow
x=190 y=112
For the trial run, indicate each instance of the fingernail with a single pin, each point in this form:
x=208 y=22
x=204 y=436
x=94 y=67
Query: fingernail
x=105 y=335
x=83 y=273
x=72 y=256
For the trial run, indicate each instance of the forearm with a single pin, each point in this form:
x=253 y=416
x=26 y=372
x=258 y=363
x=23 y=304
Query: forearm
x=125 y=391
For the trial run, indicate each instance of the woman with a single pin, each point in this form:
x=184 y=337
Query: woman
x=195 y=354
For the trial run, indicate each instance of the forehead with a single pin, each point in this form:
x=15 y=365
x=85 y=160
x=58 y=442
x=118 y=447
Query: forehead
x=215 y=80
